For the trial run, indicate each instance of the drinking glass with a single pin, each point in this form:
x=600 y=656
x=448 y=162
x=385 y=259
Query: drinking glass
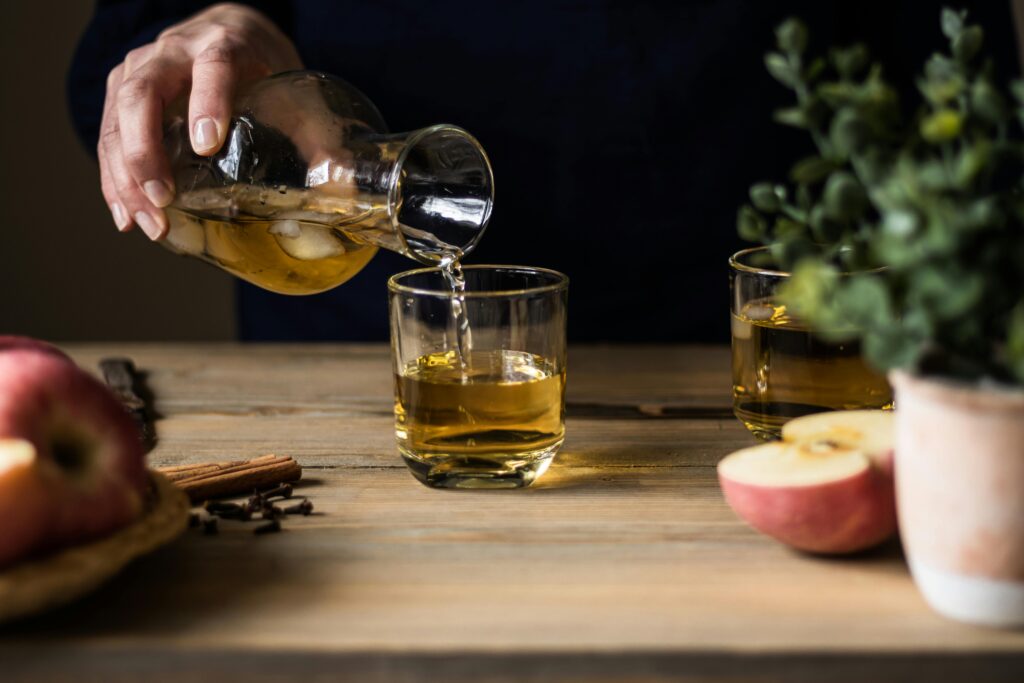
x=780 y=369
x=479 y=399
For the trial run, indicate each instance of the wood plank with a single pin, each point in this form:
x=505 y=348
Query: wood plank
x=623 y=563
x=390 y=564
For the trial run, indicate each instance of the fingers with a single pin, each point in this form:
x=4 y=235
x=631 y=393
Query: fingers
x=122 y=219
x=215 y=72
x=140 y=103
x=129 y=204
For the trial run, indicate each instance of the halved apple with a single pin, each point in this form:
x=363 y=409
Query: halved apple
x=870 y=431
x=827 y=487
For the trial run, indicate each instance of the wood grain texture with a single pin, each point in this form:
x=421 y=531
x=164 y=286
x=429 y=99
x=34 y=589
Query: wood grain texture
x=622 y=564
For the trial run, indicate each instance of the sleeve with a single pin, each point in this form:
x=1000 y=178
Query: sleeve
x=116 y=27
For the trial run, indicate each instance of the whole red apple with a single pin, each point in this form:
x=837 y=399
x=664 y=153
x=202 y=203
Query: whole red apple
x=87 y=462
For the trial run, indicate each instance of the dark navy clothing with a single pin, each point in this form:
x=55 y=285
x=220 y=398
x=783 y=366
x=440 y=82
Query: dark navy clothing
x=623 y=135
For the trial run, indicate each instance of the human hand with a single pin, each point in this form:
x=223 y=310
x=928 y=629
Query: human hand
x=207 y=55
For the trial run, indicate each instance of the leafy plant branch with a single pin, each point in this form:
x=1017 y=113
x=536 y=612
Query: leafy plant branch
x=906 y=232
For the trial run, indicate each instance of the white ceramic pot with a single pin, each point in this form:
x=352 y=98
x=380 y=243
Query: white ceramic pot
x=960 y=496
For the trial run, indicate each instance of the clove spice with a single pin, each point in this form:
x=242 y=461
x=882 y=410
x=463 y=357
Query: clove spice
x=304 y=508
x=259 y=503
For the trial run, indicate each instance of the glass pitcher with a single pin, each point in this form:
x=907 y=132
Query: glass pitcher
x=309 y=183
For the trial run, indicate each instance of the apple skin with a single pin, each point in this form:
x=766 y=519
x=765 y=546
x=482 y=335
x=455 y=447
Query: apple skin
x=89 y=466
x=12 y=342
x=836 y=517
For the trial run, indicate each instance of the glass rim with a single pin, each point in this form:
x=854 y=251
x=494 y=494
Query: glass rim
x=561 y=282
x=394 y=185
x=737 y=265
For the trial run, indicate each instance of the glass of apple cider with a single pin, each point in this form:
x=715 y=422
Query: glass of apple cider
x=780 y=369
x=479 y=359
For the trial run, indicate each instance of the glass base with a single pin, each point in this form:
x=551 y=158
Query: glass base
x=479 y=471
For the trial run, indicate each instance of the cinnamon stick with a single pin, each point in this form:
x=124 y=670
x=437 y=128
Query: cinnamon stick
x=203 y=481
x=179 y=472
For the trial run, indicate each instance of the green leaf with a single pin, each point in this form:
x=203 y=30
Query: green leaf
x=814 y=69
x=826 y=230
x=781 y=70
x=941 y=126
x=952 y=22
x=848 y=132
x=943 y=81
x=1017 y=89
x=971 y=161
x=838 y=93
x=789 y=249
x=811 y=170
x=844 y=198
x=968 y=43
x=850 y=61
x=791 y=116
x=890 y=348
x=808 y=291
x=987 y=103
x=791 y=36
x=763 y=197
x=864 y=302
x=751 y=225
x=945 y=293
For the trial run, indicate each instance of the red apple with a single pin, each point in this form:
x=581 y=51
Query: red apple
x=826 y=488
x=87 y=461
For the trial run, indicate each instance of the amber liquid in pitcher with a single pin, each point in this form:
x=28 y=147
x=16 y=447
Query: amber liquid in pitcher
x=499 y=412
x=290 y=242
x=781 y=371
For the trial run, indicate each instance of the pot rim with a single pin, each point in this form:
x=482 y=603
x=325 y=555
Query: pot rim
x=988 y=396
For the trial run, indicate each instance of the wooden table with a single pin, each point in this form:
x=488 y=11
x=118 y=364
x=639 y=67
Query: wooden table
x=622 y=564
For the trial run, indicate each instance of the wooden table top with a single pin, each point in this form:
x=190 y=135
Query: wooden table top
x=622 y=564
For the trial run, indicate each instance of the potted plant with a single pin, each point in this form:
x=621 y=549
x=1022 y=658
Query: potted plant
x=905 y=232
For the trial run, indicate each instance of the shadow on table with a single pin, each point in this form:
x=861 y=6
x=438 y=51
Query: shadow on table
x=196 y=578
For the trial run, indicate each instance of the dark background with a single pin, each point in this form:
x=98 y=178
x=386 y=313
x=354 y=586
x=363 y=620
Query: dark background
x=68 y=275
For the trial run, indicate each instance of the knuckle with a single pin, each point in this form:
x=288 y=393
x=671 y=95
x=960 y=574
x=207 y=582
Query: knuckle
x=124 y=186
x=134 y=90
x=218 y=53
x=169 y=33
x=114 y=77
x=109 y=136
x=171 y=43
x=137 y=55
x=217 y=33
x=137 y=159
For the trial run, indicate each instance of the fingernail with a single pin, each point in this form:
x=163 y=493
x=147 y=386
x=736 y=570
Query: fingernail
x=120 y=217
x=158 y=192
x=205 y=134
x=149 y=225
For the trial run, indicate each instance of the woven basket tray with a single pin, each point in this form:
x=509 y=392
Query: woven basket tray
x=40 y=585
